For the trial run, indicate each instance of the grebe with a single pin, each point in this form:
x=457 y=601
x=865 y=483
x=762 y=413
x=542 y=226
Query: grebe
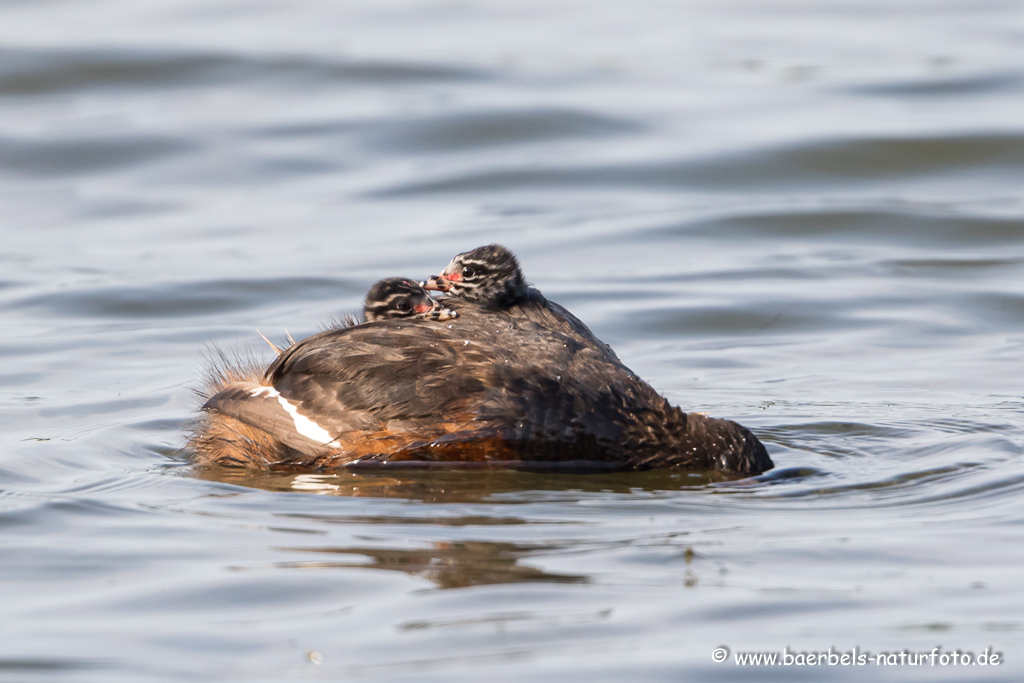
x=490 y=277
x=398 y=297
x=515 y=380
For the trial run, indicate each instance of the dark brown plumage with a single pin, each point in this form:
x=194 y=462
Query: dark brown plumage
x=520 y=382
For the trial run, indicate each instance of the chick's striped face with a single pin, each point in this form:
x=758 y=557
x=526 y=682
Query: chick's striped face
x=401 y=298
x=489 y=276
x=469 y=277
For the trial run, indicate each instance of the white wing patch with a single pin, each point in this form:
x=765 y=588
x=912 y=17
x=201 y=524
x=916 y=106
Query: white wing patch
x=303 y=425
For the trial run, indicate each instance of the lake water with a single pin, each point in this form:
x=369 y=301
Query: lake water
x=806 y=217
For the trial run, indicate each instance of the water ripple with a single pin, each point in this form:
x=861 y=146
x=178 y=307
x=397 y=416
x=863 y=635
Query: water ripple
x=169 y=300
x=36 y=72
x=975 y=85
x=457 y=132
x=817 y=164
x=77 y=156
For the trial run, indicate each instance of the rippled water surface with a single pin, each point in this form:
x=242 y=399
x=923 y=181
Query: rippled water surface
x=807 y=217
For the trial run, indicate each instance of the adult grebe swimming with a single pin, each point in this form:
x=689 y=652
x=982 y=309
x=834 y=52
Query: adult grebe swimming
x=515 y=381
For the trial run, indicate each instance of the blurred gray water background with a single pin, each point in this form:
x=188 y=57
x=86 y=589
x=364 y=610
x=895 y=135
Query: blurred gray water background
x=804 y=216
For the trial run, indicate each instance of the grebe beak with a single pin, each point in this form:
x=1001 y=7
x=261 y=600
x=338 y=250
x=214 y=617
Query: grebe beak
x=436 y=283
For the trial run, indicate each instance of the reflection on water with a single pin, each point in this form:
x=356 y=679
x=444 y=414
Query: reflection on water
x=804 y=218
x=448 y=565
x=457 y=486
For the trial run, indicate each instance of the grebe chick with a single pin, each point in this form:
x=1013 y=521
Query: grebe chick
x=398 y=297
x=490 y=277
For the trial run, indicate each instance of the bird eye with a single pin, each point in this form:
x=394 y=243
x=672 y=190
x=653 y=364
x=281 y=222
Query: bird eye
x=467 y=272
x=403 y=306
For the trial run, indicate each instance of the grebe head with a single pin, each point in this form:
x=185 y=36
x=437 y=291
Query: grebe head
x=397 y=297
x=489 y=276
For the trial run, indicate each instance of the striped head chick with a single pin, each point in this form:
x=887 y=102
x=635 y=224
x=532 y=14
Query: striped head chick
x=489 y=276
x=397 y=297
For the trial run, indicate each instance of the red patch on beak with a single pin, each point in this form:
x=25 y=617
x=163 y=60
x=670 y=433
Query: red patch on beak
x=452 y=277
x=422 y=308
